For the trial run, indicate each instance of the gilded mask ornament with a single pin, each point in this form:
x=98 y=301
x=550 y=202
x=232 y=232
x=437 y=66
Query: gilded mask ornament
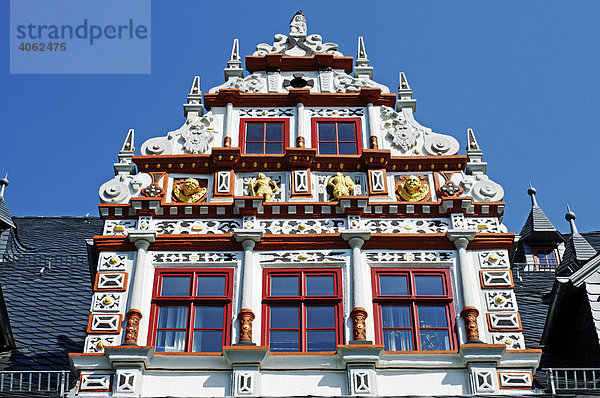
x=188 y=191
x=342 y=185
x=263 y=186
x=412 y=189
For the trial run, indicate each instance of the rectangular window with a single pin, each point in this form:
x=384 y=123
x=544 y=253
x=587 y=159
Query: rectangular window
x=302 y=310
x=191 y=310
x=413 y=309
x=337 y=136
x=264 y=136
x=546 y=258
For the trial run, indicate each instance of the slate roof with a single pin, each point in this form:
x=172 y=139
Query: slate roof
x=539 y=228
x=46 y=285
x=532 y=290
x=5 y=216
x=577 y=251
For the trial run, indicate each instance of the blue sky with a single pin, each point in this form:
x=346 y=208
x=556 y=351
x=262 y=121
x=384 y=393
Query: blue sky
x=523 y=75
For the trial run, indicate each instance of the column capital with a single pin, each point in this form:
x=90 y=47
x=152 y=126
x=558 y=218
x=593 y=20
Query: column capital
x=460 y=237
x=142 y=239
x=252 y=235
x=356 y=238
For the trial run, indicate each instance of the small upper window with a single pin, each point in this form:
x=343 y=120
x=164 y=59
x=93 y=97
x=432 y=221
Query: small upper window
x=546 y=258
x=260 y=136
x=337 y=136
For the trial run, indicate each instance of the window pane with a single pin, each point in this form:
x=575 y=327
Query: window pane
x=211 y=285
x=432 y=316
x=209 y=317
x=170 y=340
x=327 y=148
x=346 y=132
x=254 y=131
x=395 y=316
x=274 y=132
x=284 y=285
x=434 y=340
x=320 y=285
x=320 y=317
x=207 y=341
x=326 y=131
x=393 y=285
x=175 y=286
x=254 y=147
x=273 y=147
x=283 y=340
x=397 y=340
x=320 y=340
x=284 y=317
x=429 y=285
x=172 y=317
x=347 y=148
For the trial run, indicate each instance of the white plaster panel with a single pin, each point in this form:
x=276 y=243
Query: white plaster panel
x=310 y=382
x=180 y=384
x=422 y=382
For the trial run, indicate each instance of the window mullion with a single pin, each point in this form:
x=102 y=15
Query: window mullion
x=190 y=327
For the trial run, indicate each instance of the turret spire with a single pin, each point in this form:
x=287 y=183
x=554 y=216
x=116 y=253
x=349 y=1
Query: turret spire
x=570 y=217
x=3 y=184
x=234 y=65
x=531 y=192
x=363 y=68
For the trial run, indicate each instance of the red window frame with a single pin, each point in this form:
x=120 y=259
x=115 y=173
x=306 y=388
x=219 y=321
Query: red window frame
x=191 y=301
x=413 y=300
x=301 y=301
x=286 y=132
x=545 y=266
x=357 y=131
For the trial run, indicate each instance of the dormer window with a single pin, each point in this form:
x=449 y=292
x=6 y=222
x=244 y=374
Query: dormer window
x=337 y=136
x=546 y=258
x=264 y=136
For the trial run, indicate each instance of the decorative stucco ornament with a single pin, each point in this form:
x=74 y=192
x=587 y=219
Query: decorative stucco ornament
x=123 y=187
x=481 y=188
x=408 y=137
x=413 y=189
x=342 y=185
x=189 y=191
x=255 y=83
x=194 y=137
x=343 y=82
x=263 y=186
x=298 y=44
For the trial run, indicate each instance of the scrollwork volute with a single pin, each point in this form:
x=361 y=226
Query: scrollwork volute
x=196 y=136
x=255 y=83
x=407 y=137
x=123 y=187
x=481 y=188
x=343 y=82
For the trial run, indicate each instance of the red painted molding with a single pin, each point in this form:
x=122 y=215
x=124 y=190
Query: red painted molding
x=298 y=95
x=288 y=63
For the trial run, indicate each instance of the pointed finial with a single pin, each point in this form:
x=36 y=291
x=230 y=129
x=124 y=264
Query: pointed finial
x=234 y=65
x=125 y=164
x=363 y=68
x=472 y=141
x=195 y=86
x=3 y=184
x=128 y=143
x=403 y=82
x=570 y=217
x=298 y=25
x=531 y=192
x=362 y=53
x=235 y=51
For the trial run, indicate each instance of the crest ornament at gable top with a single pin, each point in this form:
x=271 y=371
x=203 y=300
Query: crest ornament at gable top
x=297 y=44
